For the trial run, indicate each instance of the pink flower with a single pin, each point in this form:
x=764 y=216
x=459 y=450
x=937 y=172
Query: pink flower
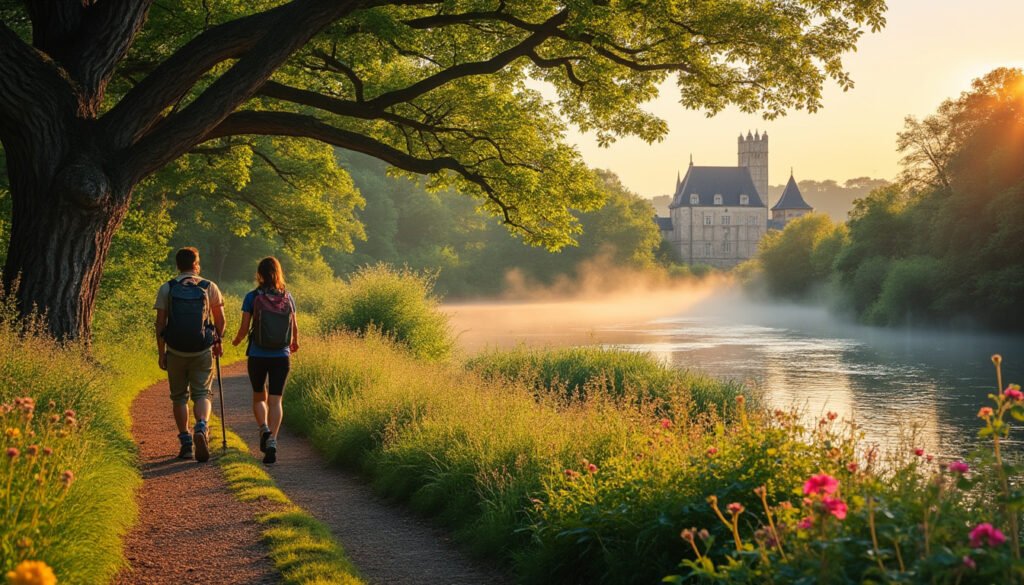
x=665 y=423
x=985 y=532
x=919 y=451
x=835 y=506
x=687 y=534
x=833 y=415
x=821 y=483
x=805 y=523
x=571 y=474
x=1013 y=393
x=969 y=563
x=591 y=468
x=712 y=451
x=852 y=467
x=67 y=478
x=959 y=467
x=12 y=452
x=735 y=508
x=985 y=412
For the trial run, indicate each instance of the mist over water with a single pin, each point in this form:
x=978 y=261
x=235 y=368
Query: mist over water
x=799 y=356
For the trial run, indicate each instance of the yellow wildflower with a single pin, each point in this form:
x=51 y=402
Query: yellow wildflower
x=13 y=433
x=31 y=573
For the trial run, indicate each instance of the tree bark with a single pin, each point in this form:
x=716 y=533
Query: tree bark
x=63 y=222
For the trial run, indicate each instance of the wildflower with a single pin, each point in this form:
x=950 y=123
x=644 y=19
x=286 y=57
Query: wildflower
x=31 y=573
x=52 y=404
x=24 y=542
x=929 y=458
x=985 y=412
x=985 y=532
x=997 y=359
x=835 y=506
x=571 y=474
x=703 y=534
x=712 y=451
x=13 y=433
x=969 y=563
x=832 y=415
x=741 y=400
x=1013 y=393
x=67 y=478
x=852 y=467
x=69 y=413
x=12 y=452
x=55 y=418
x=919 y=451
x=735 y=508
x=805 y=523
x=32 y=450
x=47 y=450
x=760 y=491
x=591 y=468
x=687 y=534
x=959 y=467
x=821 y=483
x=665 y=423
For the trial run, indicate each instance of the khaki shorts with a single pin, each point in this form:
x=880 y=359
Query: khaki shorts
x=189 y=376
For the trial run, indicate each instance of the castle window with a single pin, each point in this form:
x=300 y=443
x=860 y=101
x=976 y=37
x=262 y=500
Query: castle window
x=694 y=199
x=707 y=248
x=744 y=200
x=718 y=199
x=726 y=220
x=726 y=247
x=708 y=219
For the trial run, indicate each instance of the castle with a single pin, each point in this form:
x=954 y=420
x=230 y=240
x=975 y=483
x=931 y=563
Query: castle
x=718 y=215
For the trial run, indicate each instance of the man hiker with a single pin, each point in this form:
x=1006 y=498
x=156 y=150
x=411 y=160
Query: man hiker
x=188 y=342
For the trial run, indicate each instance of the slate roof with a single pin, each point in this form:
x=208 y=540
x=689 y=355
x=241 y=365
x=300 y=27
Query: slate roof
x=791 y=197
x=706 y=182
x=664 y=223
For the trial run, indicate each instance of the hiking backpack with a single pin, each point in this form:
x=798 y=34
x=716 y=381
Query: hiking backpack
x=188 y=308
x=272 y=315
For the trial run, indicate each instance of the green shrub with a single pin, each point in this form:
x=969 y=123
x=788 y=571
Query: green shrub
x=399 y=304
x=635 y=377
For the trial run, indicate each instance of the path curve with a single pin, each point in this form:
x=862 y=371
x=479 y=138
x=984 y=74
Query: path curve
x=388 y=544
x=191 y=528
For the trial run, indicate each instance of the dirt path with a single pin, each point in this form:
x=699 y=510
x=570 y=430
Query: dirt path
x=389 y=545
x=191 y=528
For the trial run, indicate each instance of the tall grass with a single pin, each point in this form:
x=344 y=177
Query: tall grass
x=397 y=303
x=632 y=376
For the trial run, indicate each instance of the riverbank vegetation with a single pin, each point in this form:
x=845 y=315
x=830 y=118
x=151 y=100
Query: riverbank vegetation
x=567 y=465
x=940 y=246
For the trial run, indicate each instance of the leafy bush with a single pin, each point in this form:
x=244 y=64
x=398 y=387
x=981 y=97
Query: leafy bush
x=859 y=520
x=399 y=304
x=635 y=377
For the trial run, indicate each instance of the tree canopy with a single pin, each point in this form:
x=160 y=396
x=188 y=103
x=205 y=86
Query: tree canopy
x=99 y=95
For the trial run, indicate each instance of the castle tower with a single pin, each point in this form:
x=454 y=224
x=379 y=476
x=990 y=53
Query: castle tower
x=753 y=154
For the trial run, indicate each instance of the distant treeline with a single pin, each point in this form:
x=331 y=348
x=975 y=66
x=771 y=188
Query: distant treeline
x=943 y=245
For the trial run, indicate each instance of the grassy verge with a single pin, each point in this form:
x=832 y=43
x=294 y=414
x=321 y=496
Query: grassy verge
x=303 y=549
x=634 y=377
x=597 y=490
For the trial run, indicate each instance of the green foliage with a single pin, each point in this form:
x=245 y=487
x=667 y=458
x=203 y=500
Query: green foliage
x=397 y=303
x=800 y=258
x=76 y=530
x=634 y=377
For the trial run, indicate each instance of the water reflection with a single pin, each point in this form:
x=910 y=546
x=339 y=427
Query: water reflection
x=799 y=356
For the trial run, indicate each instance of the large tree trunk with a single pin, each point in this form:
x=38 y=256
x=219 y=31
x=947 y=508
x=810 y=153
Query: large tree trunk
x=62 y=226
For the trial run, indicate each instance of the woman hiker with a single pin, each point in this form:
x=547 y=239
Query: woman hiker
x=268 y=318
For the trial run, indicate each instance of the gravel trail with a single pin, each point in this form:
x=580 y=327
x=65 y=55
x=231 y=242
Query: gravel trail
x=387 y=543
x=191 y=528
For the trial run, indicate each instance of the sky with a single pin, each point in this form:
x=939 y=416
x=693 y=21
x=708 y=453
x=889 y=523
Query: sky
x=929 y=51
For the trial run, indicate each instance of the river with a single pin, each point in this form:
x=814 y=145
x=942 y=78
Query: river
x=801 y=356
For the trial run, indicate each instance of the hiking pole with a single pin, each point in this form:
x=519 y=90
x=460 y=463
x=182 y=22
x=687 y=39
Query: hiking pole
x=223 y=421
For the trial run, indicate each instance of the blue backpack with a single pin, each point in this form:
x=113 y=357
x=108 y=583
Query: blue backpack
x=188 y=327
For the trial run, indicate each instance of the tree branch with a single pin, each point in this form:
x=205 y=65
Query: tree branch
x=292 y=30
x=303 y=126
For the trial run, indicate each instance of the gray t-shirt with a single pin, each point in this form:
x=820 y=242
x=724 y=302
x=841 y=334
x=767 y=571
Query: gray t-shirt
x=216 y=300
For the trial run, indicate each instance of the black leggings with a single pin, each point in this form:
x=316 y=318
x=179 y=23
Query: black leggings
x=275 y=368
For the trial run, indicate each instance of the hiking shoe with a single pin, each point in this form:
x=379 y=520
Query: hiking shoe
x=201 y=437
x=264 y=435
x=271 y=452
x=186 y=446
